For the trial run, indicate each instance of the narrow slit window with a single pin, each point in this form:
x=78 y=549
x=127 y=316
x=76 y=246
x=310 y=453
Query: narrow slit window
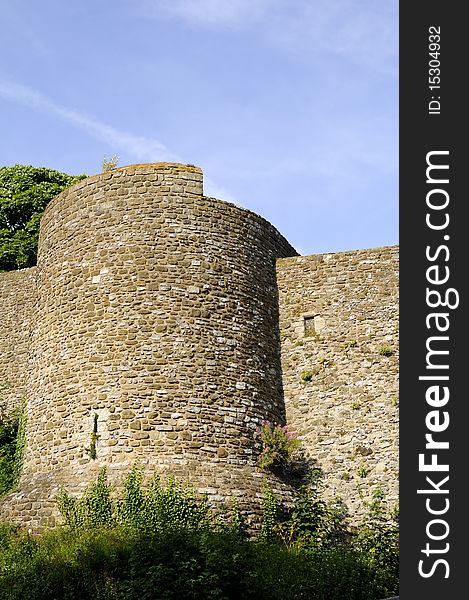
x=309 y=326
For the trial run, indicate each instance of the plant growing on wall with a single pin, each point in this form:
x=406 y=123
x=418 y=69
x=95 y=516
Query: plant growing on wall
x=109 y=164
x=306 y=376
x=347 y=345
x=362 y=471
x=94 y=437
x=385 y=350
x=278 y=444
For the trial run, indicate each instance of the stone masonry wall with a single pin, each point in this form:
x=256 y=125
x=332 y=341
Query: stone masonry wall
x=17 y=300
x=338 y=312
x=158 y=317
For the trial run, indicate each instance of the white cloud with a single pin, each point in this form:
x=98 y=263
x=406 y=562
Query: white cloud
x=142 y=148
x=360 y=30
x=210 y=12
x=365 y=32
x=213 y=190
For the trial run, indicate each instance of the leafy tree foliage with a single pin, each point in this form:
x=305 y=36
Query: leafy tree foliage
x=25 y=191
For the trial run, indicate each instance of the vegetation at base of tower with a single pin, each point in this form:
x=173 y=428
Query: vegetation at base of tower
x=157 y=507
x=25 y=191
x=161 y=541
x=12 y=441
x=278 y=444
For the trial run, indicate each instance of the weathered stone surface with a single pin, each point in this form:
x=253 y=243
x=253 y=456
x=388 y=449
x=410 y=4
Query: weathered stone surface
x=336 y=312
x=156 y=310
x=16 y=317
x=150 y=301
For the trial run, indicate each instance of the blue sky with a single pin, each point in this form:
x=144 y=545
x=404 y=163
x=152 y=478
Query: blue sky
x=290 y=107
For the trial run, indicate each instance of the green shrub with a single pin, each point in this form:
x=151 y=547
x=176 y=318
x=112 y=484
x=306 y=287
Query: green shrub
x=278 y=444
x=95 y=508
x=378 y=538
x=312 y=523
x=160 y=542
x=155 y=507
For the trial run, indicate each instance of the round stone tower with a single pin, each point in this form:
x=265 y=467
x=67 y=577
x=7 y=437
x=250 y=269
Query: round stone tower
x=156 y=338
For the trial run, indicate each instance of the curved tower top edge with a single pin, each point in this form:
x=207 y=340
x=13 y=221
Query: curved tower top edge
x=188 y=172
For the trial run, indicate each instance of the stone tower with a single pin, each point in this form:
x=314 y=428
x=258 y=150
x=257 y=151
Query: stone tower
x=155 y=327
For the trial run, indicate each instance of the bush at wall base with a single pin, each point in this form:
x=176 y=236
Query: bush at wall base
x=160 y=541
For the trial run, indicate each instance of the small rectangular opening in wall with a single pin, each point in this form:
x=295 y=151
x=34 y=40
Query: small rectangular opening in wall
x=309 y=326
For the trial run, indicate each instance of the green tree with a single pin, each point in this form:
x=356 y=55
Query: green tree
x=25 y=191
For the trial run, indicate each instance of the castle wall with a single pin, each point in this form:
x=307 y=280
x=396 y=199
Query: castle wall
x=17 y=300
x=158 y=316
x=336 y=312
